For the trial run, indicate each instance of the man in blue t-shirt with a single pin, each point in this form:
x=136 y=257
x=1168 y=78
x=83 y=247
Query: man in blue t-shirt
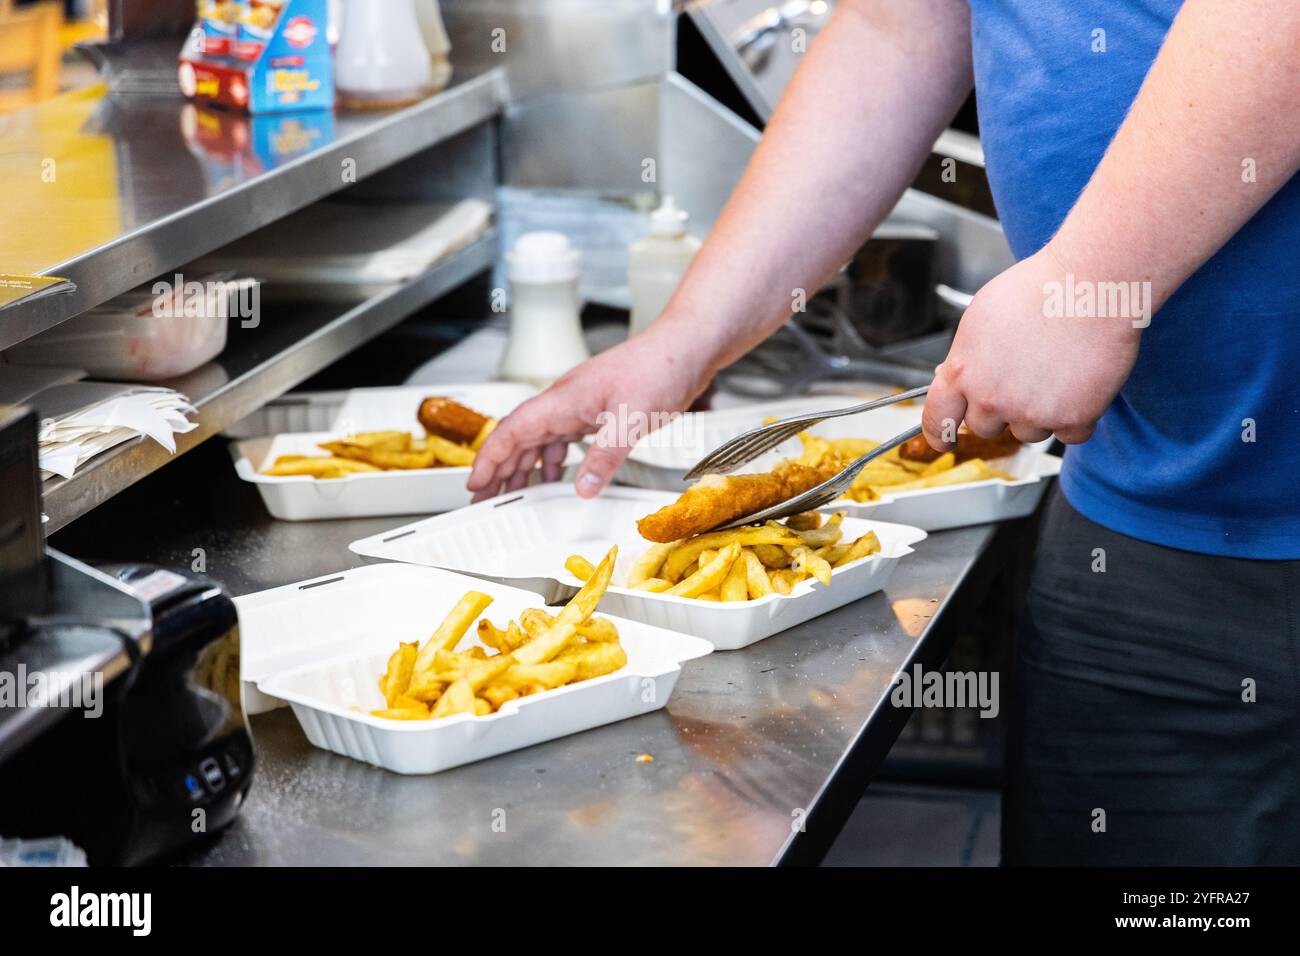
x=1143 y=157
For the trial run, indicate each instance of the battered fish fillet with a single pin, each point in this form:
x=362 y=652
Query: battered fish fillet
x=717 y=499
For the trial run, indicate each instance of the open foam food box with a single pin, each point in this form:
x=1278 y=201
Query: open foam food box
x=659 y=460
x=371 y=494
x=523 y=538
x=321 y=646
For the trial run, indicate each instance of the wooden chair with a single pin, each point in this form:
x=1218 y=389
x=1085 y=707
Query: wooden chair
x=29 y=53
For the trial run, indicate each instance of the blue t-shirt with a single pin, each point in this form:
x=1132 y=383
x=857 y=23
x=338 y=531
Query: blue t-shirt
x=1172 y=460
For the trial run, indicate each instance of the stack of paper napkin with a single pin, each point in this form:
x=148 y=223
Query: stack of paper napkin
x=82 y=419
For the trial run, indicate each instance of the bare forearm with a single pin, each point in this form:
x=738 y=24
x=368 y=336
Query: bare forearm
x=1220 y=101
x=849 y=135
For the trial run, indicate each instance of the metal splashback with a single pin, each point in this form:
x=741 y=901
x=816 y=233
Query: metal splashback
x=699 y=150
x=595 y=105
x=760 y=42
x=554 y=47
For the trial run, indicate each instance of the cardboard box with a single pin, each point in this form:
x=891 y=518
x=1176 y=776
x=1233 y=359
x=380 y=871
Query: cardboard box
x=260 y=56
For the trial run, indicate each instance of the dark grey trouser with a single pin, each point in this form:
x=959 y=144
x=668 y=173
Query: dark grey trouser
x=1128 y=706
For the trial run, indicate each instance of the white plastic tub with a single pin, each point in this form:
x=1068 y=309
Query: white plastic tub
x=124 y=338
x=660 y=459
x=372 y=494
x=523 y=539
x=322 y=645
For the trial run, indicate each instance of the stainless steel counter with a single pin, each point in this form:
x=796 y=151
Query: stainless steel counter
x=747 y=747
x=752 y=744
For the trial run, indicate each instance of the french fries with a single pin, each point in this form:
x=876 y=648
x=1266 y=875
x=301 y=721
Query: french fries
x=448 y=452
x=735 y=587
x=865 y=545
x=783 y=581
x=974 y=469
x=691 y=549
x=593 y=660
x=483 y=433
x=646 y=568
x=387 y=451
x=579 y=567
x=710 y=575
x=772 y=556
x=452 y=628
x=827 y=534
x=941 y=464
x=891 y=473
x=653 y=585
x=740 y=564
x=808 y=521
x=539 y=652
x=374 y=451
x=756 y=577
x=807 y=562
x=397 y=679
x=315 y=466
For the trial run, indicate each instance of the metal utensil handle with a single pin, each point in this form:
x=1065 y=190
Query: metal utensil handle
x=749 y=445
x=829 y=490
x=878 y=403
x=843 y=412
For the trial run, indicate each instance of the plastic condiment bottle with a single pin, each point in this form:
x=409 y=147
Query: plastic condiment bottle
x=545 y=324
x=657 y=262
x=381 y=61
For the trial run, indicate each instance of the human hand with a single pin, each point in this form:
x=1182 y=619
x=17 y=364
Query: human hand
x=1017 y=361
x=618 y=395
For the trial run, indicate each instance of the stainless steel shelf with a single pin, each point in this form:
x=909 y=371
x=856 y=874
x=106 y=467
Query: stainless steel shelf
x=110 y=191
x=293 y=342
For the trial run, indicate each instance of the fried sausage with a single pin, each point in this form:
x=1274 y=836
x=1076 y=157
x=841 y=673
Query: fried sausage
x=969 y=445
x=450 y=420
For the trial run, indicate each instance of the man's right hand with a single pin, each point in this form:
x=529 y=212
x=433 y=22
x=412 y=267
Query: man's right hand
x=611 y=395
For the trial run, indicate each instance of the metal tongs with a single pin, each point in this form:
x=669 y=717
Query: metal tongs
x=744 y=448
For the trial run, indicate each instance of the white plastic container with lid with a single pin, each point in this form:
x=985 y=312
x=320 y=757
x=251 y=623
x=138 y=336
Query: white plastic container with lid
x=545 y=322
x=657 y=262
x=154 y=332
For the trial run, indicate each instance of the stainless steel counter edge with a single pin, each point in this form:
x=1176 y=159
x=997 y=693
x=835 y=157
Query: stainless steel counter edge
x=800 y=720
x=797 y=722
x=883 y=724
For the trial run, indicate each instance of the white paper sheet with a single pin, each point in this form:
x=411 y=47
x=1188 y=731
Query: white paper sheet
x=82 y=420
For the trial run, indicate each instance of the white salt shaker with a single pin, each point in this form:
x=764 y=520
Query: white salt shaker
x=545 y=322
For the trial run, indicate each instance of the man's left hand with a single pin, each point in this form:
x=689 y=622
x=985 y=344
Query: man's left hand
x=1015 y=361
